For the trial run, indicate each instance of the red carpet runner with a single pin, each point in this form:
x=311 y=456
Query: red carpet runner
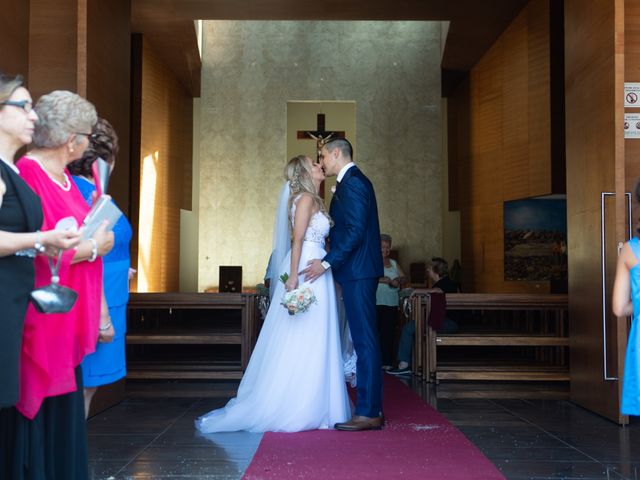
x=417 y=442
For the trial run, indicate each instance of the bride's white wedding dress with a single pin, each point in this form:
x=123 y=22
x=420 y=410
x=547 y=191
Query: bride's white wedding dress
x=295 y=379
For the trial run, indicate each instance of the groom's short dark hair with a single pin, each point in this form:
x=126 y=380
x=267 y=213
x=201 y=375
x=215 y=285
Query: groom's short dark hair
x=342 y=144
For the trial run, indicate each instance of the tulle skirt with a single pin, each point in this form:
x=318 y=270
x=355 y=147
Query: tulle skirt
x=295 y=379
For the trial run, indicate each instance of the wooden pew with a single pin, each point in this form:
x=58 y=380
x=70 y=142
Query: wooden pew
x=534 y=321
x=209 y=321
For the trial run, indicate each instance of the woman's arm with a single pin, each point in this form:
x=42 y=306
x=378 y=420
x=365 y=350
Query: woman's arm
x=400 y=279
x=621 y=303
x=419 y=291
x=11 y=242
x=99 y=246
x=304 y=210
x=106 y=332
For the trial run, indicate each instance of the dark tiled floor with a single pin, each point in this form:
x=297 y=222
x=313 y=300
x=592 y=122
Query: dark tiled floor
x=545 y=439
x=148 y=437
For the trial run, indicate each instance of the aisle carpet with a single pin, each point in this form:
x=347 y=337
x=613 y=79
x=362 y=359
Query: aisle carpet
x=417 y=442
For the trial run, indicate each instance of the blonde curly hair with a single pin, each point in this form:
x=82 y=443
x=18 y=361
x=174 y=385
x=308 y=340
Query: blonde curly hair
x=298 y=172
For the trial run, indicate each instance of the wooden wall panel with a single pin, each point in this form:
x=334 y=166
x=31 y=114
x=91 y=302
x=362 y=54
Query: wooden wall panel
x=458 y=143
x=632 y=74
x=53 y=46
x=108 y=73
x=84 y=46
x=539 y=160
x=631 y=147
x=165 y=159
x=508 y=157
x=14 y=38
x=590 y=87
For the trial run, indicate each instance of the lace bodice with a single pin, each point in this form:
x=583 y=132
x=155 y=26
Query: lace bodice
x=318 y=228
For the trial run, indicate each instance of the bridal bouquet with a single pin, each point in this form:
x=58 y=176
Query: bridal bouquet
x=298 y=300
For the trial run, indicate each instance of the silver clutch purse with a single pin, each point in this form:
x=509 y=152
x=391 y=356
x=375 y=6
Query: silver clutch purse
x=54 y=298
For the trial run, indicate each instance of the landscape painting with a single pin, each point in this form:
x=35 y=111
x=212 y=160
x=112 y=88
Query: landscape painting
x=535 y=239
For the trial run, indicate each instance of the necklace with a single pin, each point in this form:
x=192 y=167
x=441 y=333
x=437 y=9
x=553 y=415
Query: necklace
x=66 y=183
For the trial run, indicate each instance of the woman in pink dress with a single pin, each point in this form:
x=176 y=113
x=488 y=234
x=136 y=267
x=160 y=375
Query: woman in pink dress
x=49 y=417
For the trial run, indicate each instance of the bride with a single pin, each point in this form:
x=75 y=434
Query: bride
x=295 y=379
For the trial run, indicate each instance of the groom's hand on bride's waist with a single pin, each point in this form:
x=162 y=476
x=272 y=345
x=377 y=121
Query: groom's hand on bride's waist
x=314 y=269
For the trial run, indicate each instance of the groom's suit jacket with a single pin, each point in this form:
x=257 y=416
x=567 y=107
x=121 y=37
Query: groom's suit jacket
x=355 y=236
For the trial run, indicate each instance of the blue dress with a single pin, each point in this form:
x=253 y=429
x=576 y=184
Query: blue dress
x=108 y=364
x=631 y=383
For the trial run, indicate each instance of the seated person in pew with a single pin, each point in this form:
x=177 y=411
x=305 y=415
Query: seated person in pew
x=438 y=272
x=387 y=302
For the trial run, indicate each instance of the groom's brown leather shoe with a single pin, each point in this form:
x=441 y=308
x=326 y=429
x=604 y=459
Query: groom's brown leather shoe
x=359 y=423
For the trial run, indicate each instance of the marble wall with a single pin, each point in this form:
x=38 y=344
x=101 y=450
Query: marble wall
x=252 y=68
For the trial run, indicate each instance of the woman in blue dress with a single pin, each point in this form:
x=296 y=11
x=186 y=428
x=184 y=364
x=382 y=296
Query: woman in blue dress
x=107 y=364
x=626 y=303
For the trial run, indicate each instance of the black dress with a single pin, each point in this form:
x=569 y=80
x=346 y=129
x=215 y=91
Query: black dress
x=20 y=212
x=52 y=446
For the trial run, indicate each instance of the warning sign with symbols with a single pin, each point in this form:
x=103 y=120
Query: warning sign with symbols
x=632 y=95
x=632 y=125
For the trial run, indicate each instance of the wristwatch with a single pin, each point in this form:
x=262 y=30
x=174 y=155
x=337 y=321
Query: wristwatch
x=326 y=265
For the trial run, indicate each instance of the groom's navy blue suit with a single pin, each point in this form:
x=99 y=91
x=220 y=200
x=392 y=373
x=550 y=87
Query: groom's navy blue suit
x=356 y=262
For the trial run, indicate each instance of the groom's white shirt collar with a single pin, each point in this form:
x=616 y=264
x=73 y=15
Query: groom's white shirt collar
x=343 y=170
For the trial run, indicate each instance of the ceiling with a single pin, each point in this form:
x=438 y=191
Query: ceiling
x=168 y=24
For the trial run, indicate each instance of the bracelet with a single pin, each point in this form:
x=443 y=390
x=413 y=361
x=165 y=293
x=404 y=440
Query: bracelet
x=94 y=250
x=38 y=246
x=104 y=328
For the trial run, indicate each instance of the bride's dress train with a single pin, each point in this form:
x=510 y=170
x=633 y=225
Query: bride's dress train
x=295 y=379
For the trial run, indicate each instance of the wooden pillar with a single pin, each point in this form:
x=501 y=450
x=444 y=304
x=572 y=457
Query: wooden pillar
x=85 y=46
x=53 y=46
x=14 y=38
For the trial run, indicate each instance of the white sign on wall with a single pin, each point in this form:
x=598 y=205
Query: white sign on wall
x=632 y=125
x=632 y=95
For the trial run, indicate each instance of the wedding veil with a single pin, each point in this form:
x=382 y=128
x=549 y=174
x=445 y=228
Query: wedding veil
x=281 y=239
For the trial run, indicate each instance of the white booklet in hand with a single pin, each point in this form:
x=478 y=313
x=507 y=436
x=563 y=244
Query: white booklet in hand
x=103 y=209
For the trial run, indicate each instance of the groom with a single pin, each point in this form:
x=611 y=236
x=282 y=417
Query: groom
x=356 y=261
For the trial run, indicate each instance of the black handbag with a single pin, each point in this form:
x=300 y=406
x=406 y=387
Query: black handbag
x=54 y=298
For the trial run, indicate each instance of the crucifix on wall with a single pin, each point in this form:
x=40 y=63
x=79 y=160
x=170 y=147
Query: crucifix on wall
x=320 y=135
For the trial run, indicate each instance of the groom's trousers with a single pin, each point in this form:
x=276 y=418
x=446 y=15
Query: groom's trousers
x=360 y=306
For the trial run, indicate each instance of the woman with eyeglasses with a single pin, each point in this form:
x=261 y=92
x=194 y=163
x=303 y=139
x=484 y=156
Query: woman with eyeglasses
x=48 y=422
x=20 y=235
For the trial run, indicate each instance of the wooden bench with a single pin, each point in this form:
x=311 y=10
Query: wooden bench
x=211 y=322
x=526 y=320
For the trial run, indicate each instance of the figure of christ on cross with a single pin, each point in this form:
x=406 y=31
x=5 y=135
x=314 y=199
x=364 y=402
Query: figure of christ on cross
x=320 y=135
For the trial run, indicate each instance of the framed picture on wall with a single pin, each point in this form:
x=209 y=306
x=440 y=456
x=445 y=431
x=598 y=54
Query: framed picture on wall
x=535 y=239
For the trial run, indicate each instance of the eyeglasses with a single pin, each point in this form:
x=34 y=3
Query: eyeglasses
x=26 y=105
x=90 y=136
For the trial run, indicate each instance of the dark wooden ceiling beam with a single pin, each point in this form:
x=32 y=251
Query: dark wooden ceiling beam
x=474 y=25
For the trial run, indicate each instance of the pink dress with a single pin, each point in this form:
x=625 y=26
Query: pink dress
x=54 y=344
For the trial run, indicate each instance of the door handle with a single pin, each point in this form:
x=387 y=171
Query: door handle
x=604 y=273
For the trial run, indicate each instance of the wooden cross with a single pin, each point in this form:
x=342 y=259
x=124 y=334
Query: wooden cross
x=320 y=135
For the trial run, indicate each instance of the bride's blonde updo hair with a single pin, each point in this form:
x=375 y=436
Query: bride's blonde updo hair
x=298 y=172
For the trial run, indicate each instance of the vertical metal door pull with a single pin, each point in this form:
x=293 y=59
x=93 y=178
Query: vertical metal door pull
x=604 y=272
